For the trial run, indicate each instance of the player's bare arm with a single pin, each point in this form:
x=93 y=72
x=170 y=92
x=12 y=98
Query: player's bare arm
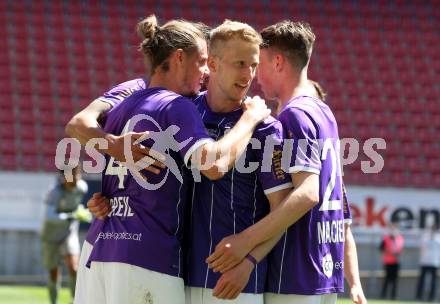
x=303 y=198
x=209 y=158
x=351 y=268
x=232 y=282
x=84 y=126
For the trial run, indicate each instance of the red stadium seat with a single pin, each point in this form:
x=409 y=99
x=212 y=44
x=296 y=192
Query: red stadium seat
x=7 y=116
x=434 y=166
x=7 y=133
x=7 y=144
x=367 y=56
x=30 y=162
x=47 y=119
x=49 y=164
x=8 y=162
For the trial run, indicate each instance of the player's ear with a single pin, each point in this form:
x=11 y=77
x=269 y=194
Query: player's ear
x=278 y=61
x=179 y=55
x=212 y=63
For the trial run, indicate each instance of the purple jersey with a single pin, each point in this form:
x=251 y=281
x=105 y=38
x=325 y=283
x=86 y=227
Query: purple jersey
x=145 y=227
x=235 y=202
x=309 y=259
x=113 y=97
x=347 y=212
x=121 y=91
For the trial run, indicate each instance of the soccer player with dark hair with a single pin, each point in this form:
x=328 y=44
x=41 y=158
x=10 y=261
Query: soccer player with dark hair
x=308 y=264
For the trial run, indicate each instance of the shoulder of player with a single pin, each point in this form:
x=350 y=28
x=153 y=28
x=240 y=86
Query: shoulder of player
x=311 y=105
x=130 y=85
x=268 y=126
x=163 y=96
x=176 y=101
x=300 y=121
x=296 y=112
x=122 y=91
x=138 y=83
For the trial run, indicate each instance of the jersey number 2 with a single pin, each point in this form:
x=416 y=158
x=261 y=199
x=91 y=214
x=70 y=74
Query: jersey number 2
x=328 y=203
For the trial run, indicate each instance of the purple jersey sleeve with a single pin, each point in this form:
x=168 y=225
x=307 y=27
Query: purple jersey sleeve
x=270 y=173
x=121 y=91
x=347 y=212
x=191 y=133
x=303 y=136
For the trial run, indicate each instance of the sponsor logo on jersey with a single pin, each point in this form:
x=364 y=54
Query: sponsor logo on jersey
x=328 y=265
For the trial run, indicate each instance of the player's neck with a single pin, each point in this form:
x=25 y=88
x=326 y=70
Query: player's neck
x=298 y=85
x=159 y=80
x=217 y=101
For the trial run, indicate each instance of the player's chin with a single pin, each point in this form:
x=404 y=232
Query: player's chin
x=268 y=96
x=192 y=93
x=242 y=95
x=197 y=88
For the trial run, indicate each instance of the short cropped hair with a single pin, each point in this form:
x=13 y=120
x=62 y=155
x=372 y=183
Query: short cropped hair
x=294 y=39
x=232 y=29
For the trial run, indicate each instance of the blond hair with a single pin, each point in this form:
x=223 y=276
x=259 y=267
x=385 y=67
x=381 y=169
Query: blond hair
x=159 y=42
x=229 y=30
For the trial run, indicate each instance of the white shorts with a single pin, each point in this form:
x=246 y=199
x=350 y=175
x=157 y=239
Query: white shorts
x=53 y=252
x=82 y=276
x=197 y=295
x=273 y=298
x=117 y=283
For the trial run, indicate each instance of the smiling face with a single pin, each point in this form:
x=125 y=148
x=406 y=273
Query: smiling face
x=234 y=66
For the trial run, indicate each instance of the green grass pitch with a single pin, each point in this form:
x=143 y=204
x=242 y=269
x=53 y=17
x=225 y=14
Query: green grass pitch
x=14 y=294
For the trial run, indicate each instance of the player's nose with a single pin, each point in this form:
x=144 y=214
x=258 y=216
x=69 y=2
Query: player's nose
x=206 y=71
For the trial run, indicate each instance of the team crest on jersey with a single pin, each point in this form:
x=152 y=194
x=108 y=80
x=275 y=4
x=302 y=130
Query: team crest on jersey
x=327 y=265
x=213 y=133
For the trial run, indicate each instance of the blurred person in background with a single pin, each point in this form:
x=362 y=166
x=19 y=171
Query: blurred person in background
x=59 y=234
x=429 y=261
x=391 y=247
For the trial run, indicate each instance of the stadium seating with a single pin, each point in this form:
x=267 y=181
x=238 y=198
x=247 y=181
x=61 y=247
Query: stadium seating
x=379 y=61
